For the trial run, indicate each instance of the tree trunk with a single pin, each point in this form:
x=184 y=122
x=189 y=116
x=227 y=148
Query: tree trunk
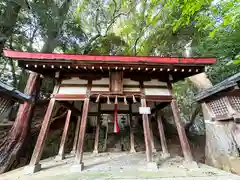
x=201 y=81
x=17 y=137
x=11 y=146
x=8 y=20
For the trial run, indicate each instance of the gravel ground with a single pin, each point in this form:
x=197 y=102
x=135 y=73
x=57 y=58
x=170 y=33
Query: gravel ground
x=121 y=166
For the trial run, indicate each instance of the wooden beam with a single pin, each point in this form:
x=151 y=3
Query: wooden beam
x=111 y=112
x=161 y=133
x=132 y=148
x=61 y=155
x=75 y=141
x=105 y=138
x=36 y=156
x=76 y=136
x=180 y=129
x=97 y=130
x=159 y=106
x=152 y=137
x=147 y=136
x=79 y=153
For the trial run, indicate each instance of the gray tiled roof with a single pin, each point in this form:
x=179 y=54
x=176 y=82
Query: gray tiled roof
x=222 y=86
x=13 y=93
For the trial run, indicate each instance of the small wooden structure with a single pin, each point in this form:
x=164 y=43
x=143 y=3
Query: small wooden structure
x=223 y=100
x=221 y=109
x=8 y=96
x=101 y=83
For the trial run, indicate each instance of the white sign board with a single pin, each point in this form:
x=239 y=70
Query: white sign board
x=144 y=110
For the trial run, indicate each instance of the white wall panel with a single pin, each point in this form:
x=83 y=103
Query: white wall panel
x=74 y=80
x=154 y=82
x=72 y=90
x=100 y=89
x=129 y=89
x=156 y=91
x=128 y=81
x=101 y=81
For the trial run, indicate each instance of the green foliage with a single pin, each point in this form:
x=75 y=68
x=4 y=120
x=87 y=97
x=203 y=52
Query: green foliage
x=185 y=92
x=109 y=44
x=187 y=10
x=221 y=71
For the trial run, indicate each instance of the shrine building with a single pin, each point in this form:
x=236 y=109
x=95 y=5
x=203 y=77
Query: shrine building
x=131 y=85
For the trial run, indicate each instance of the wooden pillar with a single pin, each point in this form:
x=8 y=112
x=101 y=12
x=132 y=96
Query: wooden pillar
x=36 y=156
x=147 y=135
x=76 y=136
x=97 y=130
x=132 y=148
x=105 y=138
x=180 y=129
x=162 y=134
x=61 y=155
x=79 y=152
x=75 y=141
x=152 y=137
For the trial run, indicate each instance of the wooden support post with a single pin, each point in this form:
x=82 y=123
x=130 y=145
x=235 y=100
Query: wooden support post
x=147 y=135
x=95 y=151
x=61 y=155
x=75 y=141
x=162 y=134
x=76 y=136
x=152 y=137
x=79 y=153
x=105 y=139
x=180 y=129
x=132 y=148
x=34 y=165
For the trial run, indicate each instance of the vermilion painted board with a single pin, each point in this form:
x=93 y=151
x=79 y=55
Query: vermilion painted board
x=144 y=59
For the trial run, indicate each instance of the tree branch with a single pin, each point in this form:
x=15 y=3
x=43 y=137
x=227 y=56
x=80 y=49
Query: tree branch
x=87 y=47
x=96 y=22
x=113 y=20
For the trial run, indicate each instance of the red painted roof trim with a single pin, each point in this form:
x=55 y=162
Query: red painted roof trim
x=127 y=59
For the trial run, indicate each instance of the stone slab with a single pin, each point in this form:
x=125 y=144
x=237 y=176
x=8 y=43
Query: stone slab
x=152 y=166
x=30 y=169
x=95 y=152
x=77 y=167
x=59 y=157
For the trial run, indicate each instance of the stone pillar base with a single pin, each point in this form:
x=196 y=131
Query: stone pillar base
x=95 y=152
x=30 y=169
x=132 y=150
x=73 y=152
x=59 y=157
x=165 y=155
x=77 y=167
x=152 y=166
